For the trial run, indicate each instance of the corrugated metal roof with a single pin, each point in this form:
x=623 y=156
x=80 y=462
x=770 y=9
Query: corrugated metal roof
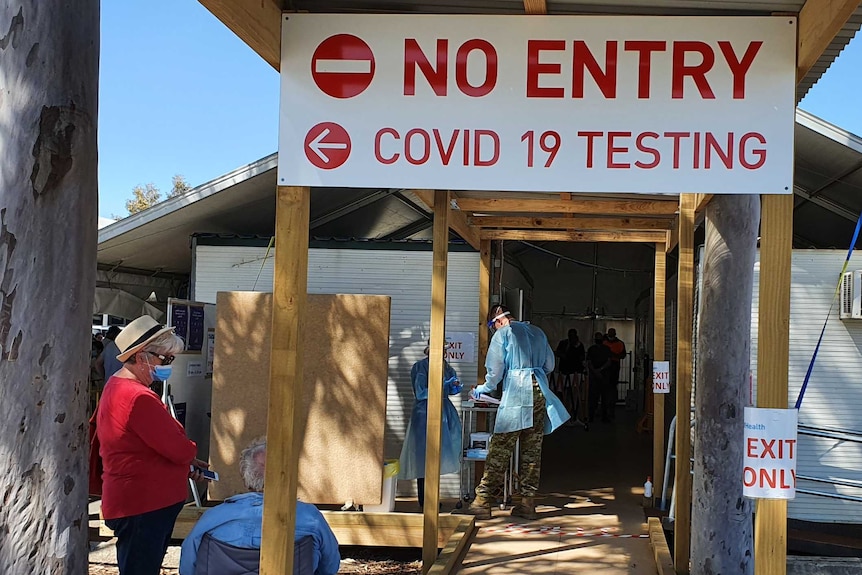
x=827 y=183
x=835 y=47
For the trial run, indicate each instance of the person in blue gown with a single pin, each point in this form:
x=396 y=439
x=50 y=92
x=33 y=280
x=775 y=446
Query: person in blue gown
x=412 y=462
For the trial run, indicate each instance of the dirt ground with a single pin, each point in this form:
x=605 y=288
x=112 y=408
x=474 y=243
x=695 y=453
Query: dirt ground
x=353 y=561
x=347 y=566
x=100 y=569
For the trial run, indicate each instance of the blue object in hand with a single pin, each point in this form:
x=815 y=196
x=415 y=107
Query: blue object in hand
x=474 y=393
x=453 y=385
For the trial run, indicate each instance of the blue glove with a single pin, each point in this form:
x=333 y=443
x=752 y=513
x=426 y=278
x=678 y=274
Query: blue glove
x=474 y=393
x=453 y=385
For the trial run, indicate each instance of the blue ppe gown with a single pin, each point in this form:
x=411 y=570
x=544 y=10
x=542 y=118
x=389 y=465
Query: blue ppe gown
x=518 y=352
x=413 y=451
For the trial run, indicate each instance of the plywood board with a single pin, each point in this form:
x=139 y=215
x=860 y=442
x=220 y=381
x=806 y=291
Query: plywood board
x=345 y=359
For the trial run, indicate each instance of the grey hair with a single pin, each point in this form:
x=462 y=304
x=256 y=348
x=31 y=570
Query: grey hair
x=252 y=464
x=167 y=343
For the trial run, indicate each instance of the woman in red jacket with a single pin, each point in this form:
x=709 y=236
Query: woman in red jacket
x=145 y=452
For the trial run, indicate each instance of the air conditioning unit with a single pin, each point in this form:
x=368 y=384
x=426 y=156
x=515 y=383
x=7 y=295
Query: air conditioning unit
x=851 y=295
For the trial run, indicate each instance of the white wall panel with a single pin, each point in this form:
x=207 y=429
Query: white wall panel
x=834 y=396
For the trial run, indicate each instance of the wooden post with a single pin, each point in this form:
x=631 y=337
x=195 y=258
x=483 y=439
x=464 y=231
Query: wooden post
x=49 y=95
x=773 y=355
x=685 y=299
x=659 y=291
x=485 y=277
x=435 y=379
x=290 y=286
x=484 y=303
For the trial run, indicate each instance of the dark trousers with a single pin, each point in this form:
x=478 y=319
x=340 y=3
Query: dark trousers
x=609 y=400
x=142 y=540
x=596 y=386
x=420 y=490
x=609 y=391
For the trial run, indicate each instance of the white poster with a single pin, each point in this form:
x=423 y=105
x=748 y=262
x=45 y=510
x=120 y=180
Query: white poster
x=460 y=347
x=661 y=377
x=769 y=467
x=627 y=104
x=195 y=369
x=210 y=351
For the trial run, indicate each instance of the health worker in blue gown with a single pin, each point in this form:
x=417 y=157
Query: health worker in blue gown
x=413 y=452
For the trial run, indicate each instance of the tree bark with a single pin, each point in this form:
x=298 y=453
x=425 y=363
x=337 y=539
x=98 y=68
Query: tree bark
x=49 y=58
x=722 y=540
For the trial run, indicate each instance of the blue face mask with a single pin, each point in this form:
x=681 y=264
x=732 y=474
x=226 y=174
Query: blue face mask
x=161 y=372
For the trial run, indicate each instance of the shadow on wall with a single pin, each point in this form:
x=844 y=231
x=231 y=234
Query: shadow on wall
x=345 y=357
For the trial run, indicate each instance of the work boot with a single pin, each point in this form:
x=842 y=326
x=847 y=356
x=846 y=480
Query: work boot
x=480 y=508
x=526 y=509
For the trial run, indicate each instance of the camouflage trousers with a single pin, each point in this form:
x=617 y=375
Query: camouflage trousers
x=501 y=448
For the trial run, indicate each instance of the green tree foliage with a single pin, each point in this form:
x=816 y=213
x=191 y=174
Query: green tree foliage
x=148 y=195
x=142 y=198
x=179 y=186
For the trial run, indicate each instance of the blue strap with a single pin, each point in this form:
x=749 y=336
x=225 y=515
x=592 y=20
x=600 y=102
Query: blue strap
x=832 y=305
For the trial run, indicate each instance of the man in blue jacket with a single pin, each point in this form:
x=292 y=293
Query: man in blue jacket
x=520 y=357
x=238 y=520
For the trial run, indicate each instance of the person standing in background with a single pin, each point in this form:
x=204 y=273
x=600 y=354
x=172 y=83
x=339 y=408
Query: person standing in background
x=107 y=363
x=598 y=364
x=571 y=366
x=412 y=462
x=609 y=393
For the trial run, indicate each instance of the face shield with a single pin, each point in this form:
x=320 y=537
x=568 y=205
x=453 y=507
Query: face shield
x=493 y=320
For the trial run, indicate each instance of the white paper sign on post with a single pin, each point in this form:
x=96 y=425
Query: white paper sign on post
x=459 y=347
x=195 y=369
x=661 y=377
x=769 y=467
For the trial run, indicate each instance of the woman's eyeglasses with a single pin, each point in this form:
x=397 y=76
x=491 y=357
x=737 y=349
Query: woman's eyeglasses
x=166 y=359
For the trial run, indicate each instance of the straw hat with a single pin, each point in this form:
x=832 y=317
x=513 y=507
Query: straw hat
x=137 y=334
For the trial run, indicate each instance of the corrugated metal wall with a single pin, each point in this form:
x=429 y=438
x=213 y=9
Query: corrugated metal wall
x=403 y=275
x=834 y=396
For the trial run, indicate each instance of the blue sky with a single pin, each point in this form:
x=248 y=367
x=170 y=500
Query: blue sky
x=181 y=94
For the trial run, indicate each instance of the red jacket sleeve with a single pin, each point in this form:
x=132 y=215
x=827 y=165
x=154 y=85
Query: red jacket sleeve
x=149 y=420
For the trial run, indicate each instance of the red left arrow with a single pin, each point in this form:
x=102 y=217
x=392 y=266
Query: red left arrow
x=327 y=145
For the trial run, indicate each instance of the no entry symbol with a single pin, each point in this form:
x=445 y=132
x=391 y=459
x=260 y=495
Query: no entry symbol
x=342 y=66
x=327 y=145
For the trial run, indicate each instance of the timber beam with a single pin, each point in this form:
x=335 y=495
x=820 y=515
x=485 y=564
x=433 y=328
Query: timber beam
x=566 y=236
x=255 y=22
x=672 y=236
x=701 y=201
x=535 y=7
x=457 y=220
x=586 y=207
x=819 y=23
x=572 y=223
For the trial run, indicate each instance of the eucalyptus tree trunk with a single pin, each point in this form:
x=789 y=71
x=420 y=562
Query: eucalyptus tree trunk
x=722 y=528
x=49 y=58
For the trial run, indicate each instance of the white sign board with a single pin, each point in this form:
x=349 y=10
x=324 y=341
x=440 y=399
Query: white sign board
x=195 y=369
x=460 y=347
x=769 y=466
x=633 y=104
x=661 y=377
